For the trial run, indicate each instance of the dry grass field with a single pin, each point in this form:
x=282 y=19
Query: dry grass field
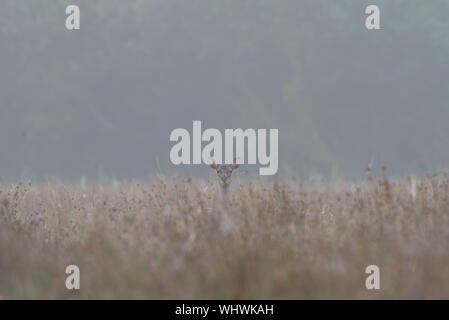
x=174 y=238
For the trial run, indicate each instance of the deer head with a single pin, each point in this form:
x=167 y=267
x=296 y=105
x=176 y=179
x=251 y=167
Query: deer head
x=224 y=172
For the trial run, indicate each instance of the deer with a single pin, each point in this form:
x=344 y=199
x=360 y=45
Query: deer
x=224 y=173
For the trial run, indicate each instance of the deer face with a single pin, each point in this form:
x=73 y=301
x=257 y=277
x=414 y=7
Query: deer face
x=224 y=172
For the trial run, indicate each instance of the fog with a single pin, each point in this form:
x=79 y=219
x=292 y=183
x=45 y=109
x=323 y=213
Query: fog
x=103 y=100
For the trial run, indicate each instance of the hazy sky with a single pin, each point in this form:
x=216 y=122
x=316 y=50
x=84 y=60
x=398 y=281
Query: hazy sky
x=104 y=99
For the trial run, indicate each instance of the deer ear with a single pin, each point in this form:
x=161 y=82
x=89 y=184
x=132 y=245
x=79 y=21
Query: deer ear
x=235 y=165
x=213 y=165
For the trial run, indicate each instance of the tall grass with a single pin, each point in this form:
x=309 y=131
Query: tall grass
x=174 y=238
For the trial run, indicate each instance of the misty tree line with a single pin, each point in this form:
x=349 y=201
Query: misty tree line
x=107 y=96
